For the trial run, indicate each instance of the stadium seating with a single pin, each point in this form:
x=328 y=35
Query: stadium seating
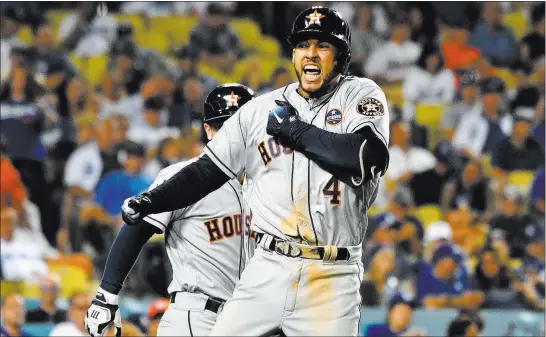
x=428 y=214
x=93 y=68
x=518 y=22
x=521 y=179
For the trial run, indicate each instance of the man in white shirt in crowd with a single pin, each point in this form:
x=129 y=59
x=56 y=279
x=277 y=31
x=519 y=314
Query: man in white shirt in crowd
x=76 y=315
x=153 y=128
x=405 y=158
x=467 y=103
x=91 y=30
x=479 y=134
x=13 y=316
x=23 y=251
x=391 y=62
x=428 y=83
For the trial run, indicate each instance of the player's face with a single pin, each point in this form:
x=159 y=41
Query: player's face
x=314 y=62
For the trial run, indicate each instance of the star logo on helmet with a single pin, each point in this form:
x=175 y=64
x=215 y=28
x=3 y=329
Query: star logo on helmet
x=315 y=18
x=232 y=99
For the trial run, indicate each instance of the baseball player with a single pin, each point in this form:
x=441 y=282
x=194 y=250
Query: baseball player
x=203 y=242
x=314 y=152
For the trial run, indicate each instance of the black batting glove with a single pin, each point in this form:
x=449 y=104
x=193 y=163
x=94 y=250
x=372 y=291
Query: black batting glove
x=284 y=125
x=136 y=208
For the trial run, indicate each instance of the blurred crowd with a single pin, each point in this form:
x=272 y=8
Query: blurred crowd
x=459 y=218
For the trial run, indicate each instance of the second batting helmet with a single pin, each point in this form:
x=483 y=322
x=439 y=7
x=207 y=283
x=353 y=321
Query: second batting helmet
x=225 y=100
x=327 y=24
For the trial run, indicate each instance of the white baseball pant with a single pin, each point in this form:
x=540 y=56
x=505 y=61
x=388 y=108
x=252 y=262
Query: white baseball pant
x=187 y=316
x=302 y=297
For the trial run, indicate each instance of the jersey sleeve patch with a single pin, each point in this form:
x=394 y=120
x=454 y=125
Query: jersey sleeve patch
x=370 y=107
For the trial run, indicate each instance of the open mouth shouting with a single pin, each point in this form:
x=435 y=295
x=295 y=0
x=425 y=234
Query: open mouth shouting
x=311 y=72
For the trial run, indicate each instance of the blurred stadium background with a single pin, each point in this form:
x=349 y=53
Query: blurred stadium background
x=96 y=98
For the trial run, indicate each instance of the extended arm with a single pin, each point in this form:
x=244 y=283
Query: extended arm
x=186 y=187
x=123 y=255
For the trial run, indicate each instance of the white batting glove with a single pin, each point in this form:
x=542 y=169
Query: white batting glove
x=103 y=312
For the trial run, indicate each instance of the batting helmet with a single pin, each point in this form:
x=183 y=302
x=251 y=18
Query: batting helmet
x=225 y=100
x=324 y=23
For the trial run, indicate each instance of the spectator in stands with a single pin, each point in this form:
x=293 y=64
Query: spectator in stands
x=407 y=229
x=434 y=178
x=472 y=315
x=479 y=134
x=22 y=124
x=127 y=72
x=440 y=285
x=150 y=59
x=48 y=311
x=155 y=312
x=457 y=53
x=104 y=139
x=154 y=129
x=519 y=151
x=536 y=197
x=213 y=37
x=84 y=166
x=390 y=62
x=423 y=32
x=405 y=159
x=12 y=190
x=364 y=39
x=494 y=40
x=79 y=303
x=89 y=31
x=187 y=108
x=120 y=127
x=538 y=133
x=467 y=103
x=398 y=320
x=469 y=230
x=470 y=189
x=113 y=189
x=495 y=280
x=463 y=328
x=378 y=267
x=534 y=41
x=13 y=316
x=187 y=60
x=168 y=153
x=436 y=234
x=11 y=20
x=280 y=78
x=23 y=252
x=530 y=282
x=428 y=83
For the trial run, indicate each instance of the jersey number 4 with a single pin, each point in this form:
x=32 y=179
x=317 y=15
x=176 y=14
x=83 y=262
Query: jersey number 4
x=332 y=190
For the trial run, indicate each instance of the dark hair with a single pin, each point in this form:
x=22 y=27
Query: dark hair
x=428 y=51
x=154 y=103
x=537 y=13
x=458 y=327
x=472 y=315
x=217 y=123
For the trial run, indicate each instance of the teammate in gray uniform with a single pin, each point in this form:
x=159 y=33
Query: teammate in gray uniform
x=203 y=242
x=313 y=152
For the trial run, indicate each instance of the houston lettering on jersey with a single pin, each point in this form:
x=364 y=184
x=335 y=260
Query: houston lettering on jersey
x=269 y=149
x=228 y=226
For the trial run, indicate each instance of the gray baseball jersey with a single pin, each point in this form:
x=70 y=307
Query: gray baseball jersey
x=290 y=196
x=203 y=241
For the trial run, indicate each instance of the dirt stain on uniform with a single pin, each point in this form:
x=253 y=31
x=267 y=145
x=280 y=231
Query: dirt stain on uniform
x=320 y=296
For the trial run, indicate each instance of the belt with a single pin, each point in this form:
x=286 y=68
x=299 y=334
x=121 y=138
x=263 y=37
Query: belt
x=213 y=304
x=291 y=249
